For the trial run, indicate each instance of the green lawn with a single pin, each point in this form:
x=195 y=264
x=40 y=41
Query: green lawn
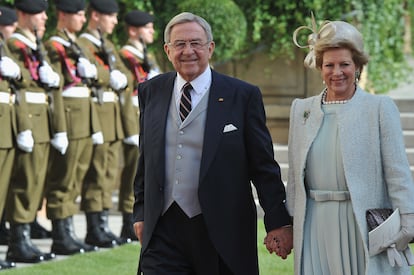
x=123 y=261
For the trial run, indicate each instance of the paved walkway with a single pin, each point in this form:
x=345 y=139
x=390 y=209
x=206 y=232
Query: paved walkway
x=115 y=223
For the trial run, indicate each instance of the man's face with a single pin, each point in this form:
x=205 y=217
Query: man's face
x=8 y=30
x=107 y=22
x=74 y=21
x=188 y=50
x=146 y=33
x=37 y=21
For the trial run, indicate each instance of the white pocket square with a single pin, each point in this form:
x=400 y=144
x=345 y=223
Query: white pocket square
x=229 y=128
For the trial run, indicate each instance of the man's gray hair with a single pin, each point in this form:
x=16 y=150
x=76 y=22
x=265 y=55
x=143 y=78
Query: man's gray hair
x=185 y=17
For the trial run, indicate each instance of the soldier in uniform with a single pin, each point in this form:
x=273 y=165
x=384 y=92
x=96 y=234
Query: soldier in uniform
x=140 y=30
x=9 y=73
x=66 y=172
x=115 y=111
x=8 y=24
x=46 y=125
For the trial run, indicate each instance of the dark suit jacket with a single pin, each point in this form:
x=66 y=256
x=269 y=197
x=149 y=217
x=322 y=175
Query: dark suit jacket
x=230 y=162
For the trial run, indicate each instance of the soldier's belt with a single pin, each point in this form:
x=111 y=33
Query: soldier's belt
x=107 y=97
x=76 y=92
x=36 y=98
x=6 y=98
x=135 y=101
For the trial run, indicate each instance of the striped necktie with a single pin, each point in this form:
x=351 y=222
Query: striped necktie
x=185 y=102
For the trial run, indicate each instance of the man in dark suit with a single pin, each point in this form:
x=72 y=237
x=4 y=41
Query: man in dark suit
x=203 y=142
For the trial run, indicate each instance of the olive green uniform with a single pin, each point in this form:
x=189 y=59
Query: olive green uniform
x=8 y=131
x=44 y=118
x=117 y=120
x=133 y=62
x=66 y=172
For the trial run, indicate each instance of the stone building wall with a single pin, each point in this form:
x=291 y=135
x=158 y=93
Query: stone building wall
x=281 y=80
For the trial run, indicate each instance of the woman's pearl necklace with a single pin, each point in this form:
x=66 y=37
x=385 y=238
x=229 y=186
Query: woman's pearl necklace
x=332 y=101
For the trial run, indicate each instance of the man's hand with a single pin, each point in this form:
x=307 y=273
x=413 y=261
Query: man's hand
x=139 y=230
x=280 y=241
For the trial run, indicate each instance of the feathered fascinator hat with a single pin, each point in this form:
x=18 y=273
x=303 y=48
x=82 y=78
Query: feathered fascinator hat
x=331 y=34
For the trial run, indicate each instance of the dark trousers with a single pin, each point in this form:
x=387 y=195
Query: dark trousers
x=181 y=246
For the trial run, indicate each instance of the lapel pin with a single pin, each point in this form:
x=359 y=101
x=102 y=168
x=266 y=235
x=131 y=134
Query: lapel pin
x=221 y=99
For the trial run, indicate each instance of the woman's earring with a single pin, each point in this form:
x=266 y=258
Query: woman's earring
x=357 y=75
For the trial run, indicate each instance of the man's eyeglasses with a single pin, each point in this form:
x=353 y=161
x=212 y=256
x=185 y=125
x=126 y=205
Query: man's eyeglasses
x=181 y=44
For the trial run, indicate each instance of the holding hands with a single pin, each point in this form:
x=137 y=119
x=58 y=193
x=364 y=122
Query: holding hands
x=280 y=241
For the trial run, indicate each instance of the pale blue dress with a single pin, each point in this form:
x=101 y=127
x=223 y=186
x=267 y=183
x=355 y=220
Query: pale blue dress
x=332 y=244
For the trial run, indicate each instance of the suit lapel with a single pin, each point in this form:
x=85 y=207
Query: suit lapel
x=159 y=103
x=218 y=112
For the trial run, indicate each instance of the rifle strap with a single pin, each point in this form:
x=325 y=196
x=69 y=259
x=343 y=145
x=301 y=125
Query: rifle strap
x=30 y=61
x=139 y=73
x=69 y=66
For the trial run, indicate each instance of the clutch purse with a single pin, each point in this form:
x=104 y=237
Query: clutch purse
x=377 y=216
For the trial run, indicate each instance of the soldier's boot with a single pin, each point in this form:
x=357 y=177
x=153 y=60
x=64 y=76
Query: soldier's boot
x=95 y=235
x=65 y=241
x=104 y=217
x=21 y=249
x=4 y=233
x=39 y=232
x=6 y=265
x=127 y=231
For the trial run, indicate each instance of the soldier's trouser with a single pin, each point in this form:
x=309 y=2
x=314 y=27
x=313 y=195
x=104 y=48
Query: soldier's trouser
x=6 y=165
x=101 y=177
x=27 y=184
x=65 y=177
x=126 y=187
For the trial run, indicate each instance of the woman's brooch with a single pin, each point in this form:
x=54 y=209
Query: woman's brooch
x=306 y=115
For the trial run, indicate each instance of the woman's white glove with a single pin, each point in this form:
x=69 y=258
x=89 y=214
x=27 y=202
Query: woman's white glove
x=118 y=80
x=48 y=76
x=86 y=69
x=398 y=250
x=406 y=234
x=25 y=141
x=132 y=140
x=399 y=258
x=9 y=68
x=60 y=142
x=97 y=138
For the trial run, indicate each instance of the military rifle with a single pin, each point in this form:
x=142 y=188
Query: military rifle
x=11 y=82
x=145 y=64
x=40 y=55
x=108 y=54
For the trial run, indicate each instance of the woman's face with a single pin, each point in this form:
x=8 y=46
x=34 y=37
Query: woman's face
x=338 y=72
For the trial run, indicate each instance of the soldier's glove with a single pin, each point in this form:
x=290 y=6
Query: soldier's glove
x=97 y=138
x=60 y=142
x=25 y=141
x=9 y=68
x=132 y=140
x=48 y=76
x=86 y=69
x=398 y=250
x=118 y=80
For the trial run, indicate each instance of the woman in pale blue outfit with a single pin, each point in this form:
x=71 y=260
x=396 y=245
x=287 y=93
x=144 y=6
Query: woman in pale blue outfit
x=346 y=155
